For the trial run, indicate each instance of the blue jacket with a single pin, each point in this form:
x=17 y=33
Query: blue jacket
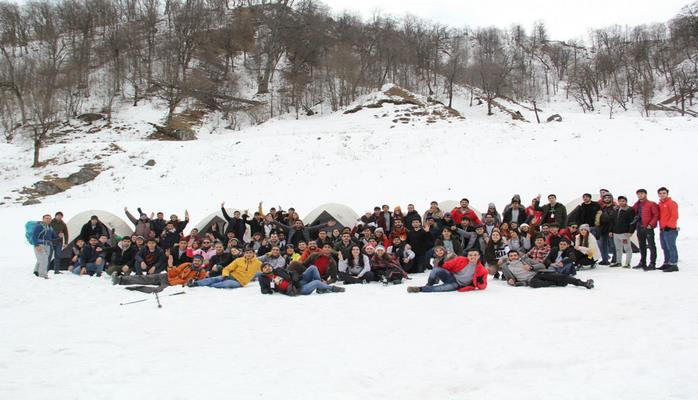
x=43 y=234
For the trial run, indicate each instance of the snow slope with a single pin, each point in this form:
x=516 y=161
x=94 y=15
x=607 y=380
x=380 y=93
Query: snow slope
x=632 y=337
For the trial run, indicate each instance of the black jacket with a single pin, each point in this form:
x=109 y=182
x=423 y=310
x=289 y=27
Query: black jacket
x=255 y=225
x=521 y=219
x=290 y=277
x=158 y=226
x=567 y=256
x=222 y=260
x=559 y=212
x=607 y=220
x=124 y=257
x=624 y=220
x=169 y=239
x=177 y=258
x=585 y=214
x=235 y=225
x=155 y=259
x=420 y=241
x=88 y=231
x=89 y=254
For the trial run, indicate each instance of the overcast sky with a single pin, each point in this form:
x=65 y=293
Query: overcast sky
x=565 y=19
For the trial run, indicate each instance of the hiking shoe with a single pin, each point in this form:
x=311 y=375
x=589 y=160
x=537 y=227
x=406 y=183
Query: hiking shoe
x=337 y=289
x=331 y=280
x=639 y=266
x=191 y=283
x=396 y=281
x=36 y=273
x=56 y=272
x=414 y=289
x=589 y=284
x=383 y=280
x=664 y=266
x=648 y=268
x=626 y=266
x=496 y=275
x=115 y=278
x=604 y=263
x=614 y=265
x=671 y=268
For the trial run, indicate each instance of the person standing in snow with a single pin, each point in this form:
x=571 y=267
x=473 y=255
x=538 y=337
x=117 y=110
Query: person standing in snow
x=43 y=237
x=458 y=213
x=604 y=226
x=61 y=231
x=458 y=273
x=623 y=228
x=553 y=212
x=668 y=230
x=647 y=217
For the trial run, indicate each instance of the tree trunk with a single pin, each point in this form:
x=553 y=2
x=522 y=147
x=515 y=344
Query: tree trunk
x=37 y=147
x=535 y=109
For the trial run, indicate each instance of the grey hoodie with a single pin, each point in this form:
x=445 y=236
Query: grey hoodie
x=515 y=270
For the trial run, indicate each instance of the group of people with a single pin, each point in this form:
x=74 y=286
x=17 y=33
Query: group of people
x=534 y=245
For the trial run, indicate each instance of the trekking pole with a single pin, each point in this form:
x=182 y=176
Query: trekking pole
x=157 y=298
x=132 y=302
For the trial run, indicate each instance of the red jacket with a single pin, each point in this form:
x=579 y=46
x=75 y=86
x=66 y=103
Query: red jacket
x=650 y=213
x=458 y=215
x=668 y=213
x=479 y=277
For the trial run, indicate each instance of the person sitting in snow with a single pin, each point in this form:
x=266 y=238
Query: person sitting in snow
x=91 y=258
x=562 y=258
x=178 y=275
x=290 y=283
x=236 y=274
x=459 y=273
x=386 y=268
x=540 y=251
x=526 y=272
x=356 y=268
x=123 y=258
x=150 y=259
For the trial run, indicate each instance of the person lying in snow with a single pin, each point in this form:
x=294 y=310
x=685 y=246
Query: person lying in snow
x=178 y=275
x=290 y=283
x=458 y=273
x=526 y=272
x=237 y=274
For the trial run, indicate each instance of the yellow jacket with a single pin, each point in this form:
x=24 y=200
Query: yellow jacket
x=242 y=270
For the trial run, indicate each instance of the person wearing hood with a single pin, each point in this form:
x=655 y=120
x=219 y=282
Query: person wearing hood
x=668 y=230
x=492 y=210
x=514 y=212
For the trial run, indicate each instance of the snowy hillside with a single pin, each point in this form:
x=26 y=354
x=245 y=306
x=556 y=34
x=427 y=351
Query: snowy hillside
x=632 y=337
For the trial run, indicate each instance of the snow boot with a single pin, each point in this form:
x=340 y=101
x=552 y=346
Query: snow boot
x=671 y=268
x=337 y=289
x=414 y=289
x=115 y=278
x=589 y=284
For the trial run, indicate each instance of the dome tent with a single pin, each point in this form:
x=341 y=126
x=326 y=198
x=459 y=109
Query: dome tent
x=216 y=217
x=112 y=221
x=344 y=215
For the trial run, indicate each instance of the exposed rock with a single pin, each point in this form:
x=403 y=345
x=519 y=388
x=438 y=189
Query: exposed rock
x=150 y=163
x=51 y=186
x=555 y=118
x=90 y=117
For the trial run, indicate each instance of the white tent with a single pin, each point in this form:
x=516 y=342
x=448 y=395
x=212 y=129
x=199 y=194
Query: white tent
x=344 y=215
x=112 y=221
x=217 y=217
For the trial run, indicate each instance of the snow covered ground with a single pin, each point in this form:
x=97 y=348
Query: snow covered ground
x=632 y=337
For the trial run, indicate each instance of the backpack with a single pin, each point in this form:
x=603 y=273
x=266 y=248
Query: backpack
x=29 y=230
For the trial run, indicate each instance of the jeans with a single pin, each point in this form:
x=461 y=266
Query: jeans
x=566 y=269
x=56 y=250
x=219 y=282
x=311 y=280
x=95 y=268
x=606 y=246
x=42 y=259
x=439 y=274
x=668 y=241
x=646 y=239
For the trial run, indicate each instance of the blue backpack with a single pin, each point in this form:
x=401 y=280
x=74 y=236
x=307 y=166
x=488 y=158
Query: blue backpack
x=29 y=230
